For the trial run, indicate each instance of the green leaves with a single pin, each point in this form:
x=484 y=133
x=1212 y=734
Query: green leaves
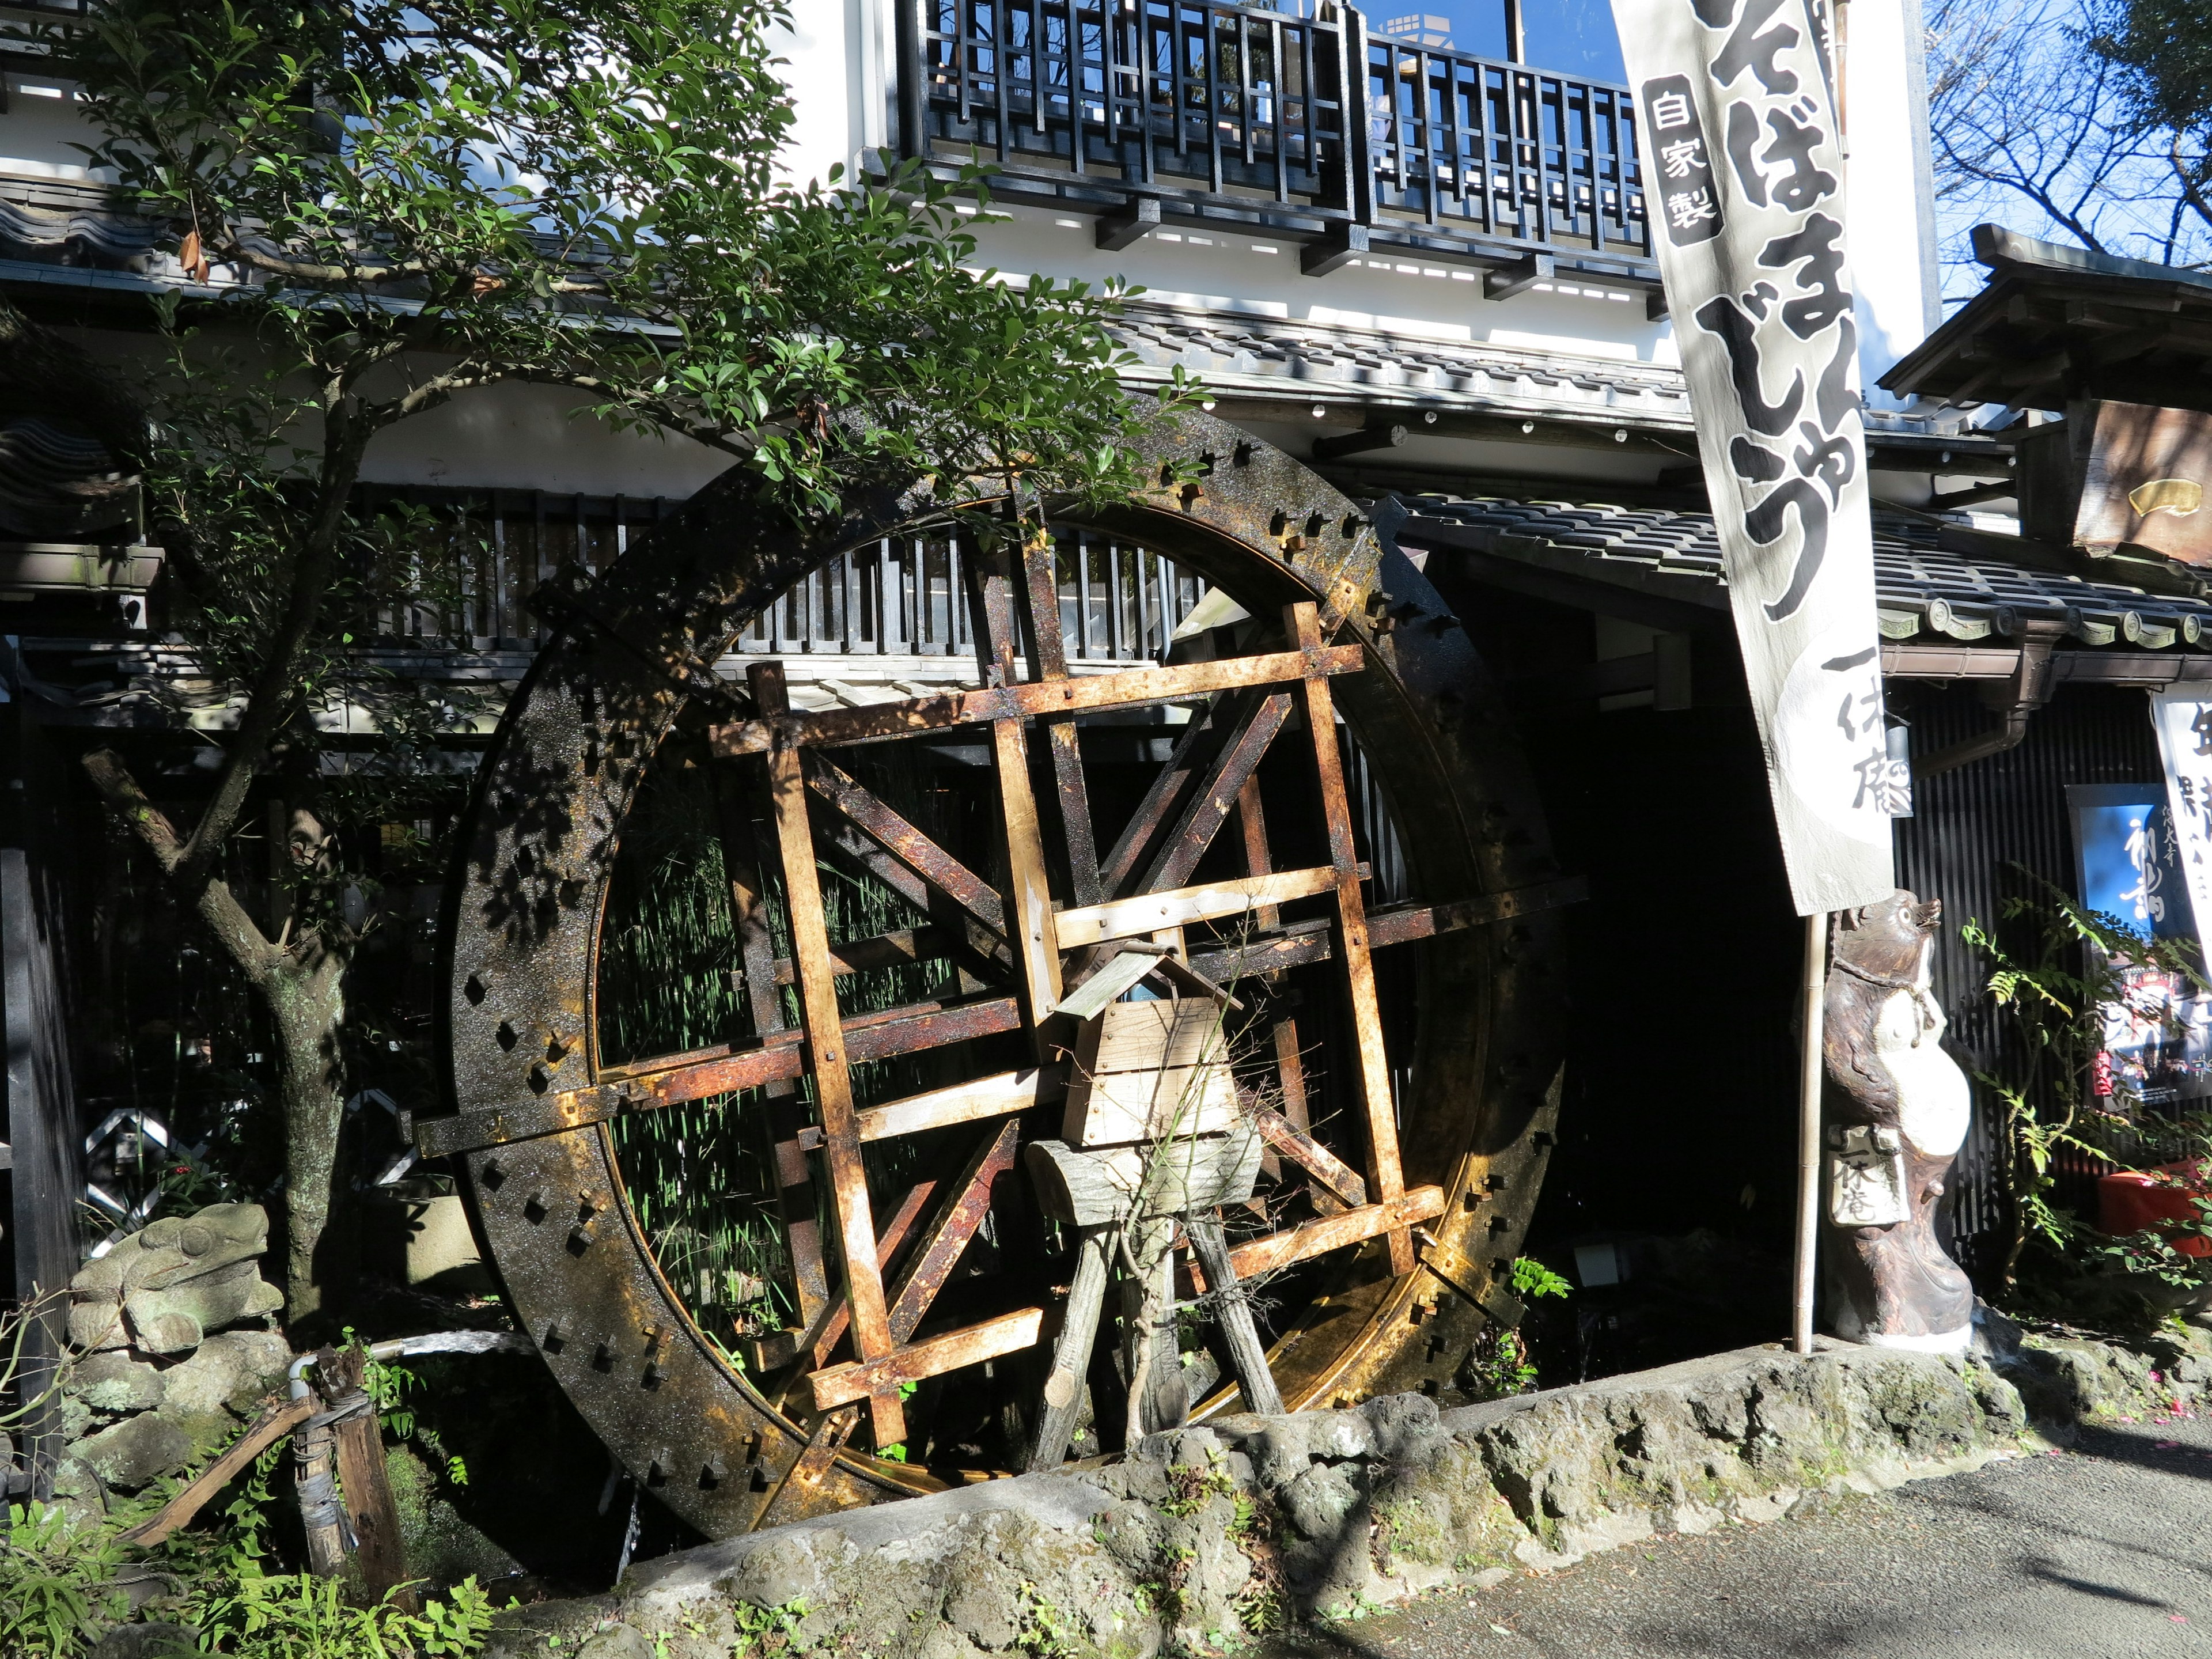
x=303 y=1617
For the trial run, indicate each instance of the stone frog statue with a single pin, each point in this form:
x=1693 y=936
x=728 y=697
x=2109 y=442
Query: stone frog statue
x=1897 y=1110
x=164 y=1288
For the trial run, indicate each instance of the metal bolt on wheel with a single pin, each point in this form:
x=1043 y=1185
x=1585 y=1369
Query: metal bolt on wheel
x=1398 y=1057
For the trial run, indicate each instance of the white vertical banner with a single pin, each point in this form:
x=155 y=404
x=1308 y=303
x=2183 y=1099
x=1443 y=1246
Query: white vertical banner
x=1743 y=184
x=2182 y=716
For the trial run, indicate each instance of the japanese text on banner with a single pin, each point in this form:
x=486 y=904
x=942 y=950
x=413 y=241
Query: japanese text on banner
x=1743 y=180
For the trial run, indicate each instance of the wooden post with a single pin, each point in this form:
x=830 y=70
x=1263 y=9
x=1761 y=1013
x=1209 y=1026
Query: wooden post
x=1386 y=1177
x=1030 y=928
x=1234 y=1315
x=43 y=1131
x=1048 y=661
x=833 y=1081
x=795 y=1182
x=363 y=1484
x=1071 y=1355
x=1810 y=1073
x=314 y=1456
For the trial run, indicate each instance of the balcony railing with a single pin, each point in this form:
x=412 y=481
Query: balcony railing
x=1305 y=126
x=473 y=561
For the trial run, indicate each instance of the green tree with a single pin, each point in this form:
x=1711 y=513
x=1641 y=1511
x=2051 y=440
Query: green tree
x=2163 y=50
x=413 y=200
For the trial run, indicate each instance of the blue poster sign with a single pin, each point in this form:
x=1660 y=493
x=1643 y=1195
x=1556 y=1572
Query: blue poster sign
x=2158 y=1037
x=2125 y=860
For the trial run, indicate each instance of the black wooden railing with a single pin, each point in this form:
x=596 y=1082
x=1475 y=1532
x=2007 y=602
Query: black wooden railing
x=1307 y=126
x=471 y=562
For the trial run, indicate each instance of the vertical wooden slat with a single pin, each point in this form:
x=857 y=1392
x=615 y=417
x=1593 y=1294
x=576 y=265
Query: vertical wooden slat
x=833 y=1083
x=1031 y=929
x=1290 y=1060
x=1386 y=1177
x=1048 y=661
x=756 y=949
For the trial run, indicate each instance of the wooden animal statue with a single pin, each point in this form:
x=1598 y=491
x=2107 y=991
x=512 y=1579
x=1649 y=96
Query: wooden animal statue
x=1898 y=1108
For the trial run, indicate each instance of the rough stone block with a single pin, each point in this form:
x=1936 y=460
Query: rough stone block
x=134 y=1451
x=115 y=1382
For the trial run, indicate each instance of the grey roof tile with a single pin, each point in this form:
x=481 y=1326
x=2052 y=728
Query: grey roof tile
x=1921 y=588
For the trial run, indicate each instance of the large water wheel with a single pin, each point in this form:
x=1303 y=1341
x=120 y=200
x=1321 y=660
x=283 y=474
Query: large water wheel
x=1401 y=1057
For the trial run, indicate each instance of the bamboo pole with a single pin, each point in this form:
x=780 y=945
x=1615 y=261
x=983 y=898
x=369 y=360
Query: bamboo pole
x=1808 y=1134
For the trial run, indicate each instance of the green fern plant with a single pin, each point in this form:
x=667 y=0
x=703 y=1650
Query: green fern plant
x=57 y=1581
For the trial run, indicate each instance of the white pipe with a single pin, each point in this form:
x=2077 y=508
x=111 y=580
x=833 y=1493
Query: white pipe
x=453 y=1342
x=404 y=1347
x=1808 y=1134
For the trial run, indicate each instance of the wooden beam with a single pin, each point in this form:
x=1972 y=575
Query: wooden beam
x=1385 y=1178
x=1294 y=1143
x=970 y=1201
x=999 y=1096
x=906 y=842
x=1213 y=800
x=793 y=1497
x=1048 y=662
x=833 y=1082
x=1071 y=1354
x=873 y=1379
x=795 y=1197
x=1247 y=1357
x=1031 y=929
x=946 y=710
x=1152 y=912
x=824 y=1332
x=1194 y=750
x=272 y=1426
x=1260 y=1255
x=672 y=1079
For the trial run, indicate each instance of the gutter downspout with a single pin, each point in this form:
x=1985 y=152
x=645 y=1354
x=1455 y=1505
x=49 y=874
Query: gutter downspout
x=2031 y=689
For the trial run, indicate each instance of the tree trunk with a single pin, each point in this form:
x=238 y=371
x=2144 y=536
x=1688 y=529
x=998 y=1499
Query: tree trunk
x=306 y=1003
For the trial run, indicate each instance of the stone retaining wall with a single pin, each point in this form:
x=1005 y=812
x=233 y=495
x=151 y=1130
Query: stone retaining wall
x=1203 y=1536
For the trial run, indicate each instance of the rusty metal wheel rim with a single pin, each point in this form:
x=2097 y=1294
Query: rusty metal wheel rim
x=523 y=918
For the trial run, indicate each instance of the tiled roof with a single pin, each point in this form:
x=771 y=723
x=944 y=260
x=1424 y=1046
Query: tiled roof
x=1238 y=354
x=1923 y=589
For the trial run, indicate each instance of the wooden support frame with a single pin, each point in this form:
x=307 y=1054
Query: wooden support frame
x=833 y=1082
x=1032 y=927
x=931 y=1264
x=872 y=1379
x=764 y=1000
x=1169 y=789
x=824 y=1332
x=1048 y=662
x=673 y=1079
x=1011 y=700
x=1386 y=1178
x=905 y=842
x=1218 y=794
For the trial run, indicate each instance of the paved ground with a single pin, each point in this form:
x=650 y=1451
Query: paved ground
x=2104 y=1552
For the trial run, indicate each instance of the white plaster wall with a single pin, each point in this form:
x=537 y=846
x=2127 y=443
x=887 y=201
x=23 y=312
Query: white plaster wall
x=1891 y=229
x=528 y=437
x=1222 y=270
x=42 y=124
x=836 y=54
